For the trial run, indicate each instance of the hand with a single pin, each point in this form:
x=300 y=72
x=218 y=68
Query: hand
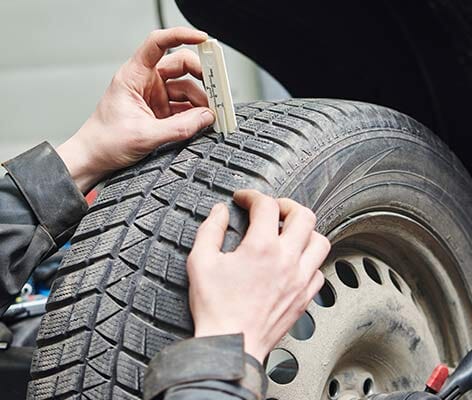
x=263 y=287
x=144 y=107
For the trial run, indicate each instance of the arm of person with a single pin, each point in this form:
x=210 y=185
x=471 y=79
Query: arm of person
x=41 y=197
x=242 y=302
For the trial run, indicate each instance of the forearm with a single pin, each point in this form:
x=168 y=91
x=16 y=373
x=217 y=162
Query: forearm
x=205 y=368
x=40 y=207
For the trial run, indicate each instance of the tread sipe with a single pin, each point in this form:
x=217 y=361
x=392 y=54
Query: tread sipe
x=121 y=292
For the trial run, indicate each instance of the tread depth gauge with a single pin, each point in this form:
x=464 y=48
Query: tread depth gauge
x=216 y=82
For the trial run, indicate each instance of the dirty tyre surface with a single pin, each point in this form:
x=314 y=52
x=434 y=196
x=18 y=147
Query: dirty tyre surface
x=121 y=293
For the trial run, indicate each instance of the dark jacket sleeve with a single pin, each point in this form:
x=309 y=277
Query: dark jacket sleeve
x=210 y=368
x=40 y=206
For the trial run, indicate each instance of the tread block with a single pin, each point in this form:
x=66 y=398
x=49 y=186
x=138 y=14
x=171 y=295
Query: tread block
x=206 y=172
x=142 y=184
x=189 y=197
x=167 y=264
x=133 y=236
x=112 y=194
x=104 y=362
x=188 y=234
x=201 y=149
x=162 y=304
x=79 y=253
x=145 y=339
x=172 y=226
x=149 y=205
x=229 y=180
x=57 y=355
x=208 y=200
x=246 y=112
x=184 y=155
x=123 y=289
x=54 y=386
x=303 y=128
x=185 y=168
x=167 y=192
x=157 y=260
x=260 y=104
x=276 y=134
x=109 y=242
x=120 y=394
x=157 y=161
x=150 y=221
x=135 y=256
x=92 y=378
x=130 y=372
x=98 y=346
x=93 y=222
x=79 y=282
x=64 y=320
x=107 y=308
x=280 y=108
x=97 y=392
x=111 y=327
x=124 y=212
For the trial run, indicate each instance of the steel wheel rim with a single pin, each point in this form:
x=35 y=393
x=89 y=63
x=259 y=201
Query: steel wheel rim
x=412 y=264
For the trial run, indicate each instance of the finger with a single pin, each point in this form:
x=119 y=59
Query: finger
x=178 y=107
x=187 y=90
x=211 y=233
x=263 y=215
x=314 y=287
x=156 y=44
x=314 y=254
x=298 y=223
x=178 y=64
x=159 y=101
x=178 y=127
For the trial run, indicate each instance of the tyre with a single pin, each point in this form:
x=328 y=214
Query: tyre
x=393 y=199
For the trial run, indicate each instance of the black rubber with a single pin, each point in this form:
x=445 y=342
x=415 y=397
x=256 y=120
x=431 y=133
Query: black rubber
x=121 y=294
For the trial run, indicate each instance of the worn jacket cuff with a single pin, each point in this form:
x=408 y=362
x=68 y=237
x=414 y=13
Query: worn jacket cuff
x=43 y=179
x=215 y=358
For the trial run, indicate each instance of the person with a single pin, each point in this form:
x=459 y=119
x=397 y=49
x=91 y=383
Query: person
x=274 y=272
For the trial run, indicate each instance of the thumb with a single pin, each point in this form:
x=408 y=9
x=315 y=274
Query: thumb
x=181 y=126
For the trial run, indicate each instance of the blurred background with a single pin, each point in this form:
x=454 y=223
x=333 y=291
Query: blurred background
x=59 y=56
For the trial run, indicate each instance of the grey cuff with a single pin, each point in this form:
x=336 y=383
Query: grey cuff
x=217 y=358
x=43 y=179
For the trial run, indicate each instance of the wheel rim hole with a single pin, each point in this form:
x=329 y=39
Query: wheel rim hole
x=395 y=280
x=304 y=328
x=333 y=389
x=372 y=270
x=326 y=297
x=368 y=386
x=346 y=274
x=281 y=366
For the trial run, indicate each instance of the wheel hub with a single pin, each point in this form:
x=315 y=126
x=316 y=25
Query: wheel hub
x=386 y=346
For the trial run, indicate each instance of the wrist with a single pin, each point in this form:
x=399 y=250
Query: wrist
x=251 y=347
x=79 y=162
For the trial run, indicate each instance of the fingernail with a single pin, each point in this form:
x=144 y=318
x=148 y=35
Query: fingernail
x=208 y=117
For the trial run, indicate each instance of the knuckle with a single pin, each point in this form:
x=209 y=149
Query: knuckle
x=308 y=214
x=325 y=243
x=262 y=249
x=186 y=53
x=269 y=202
x=154 y=35
x=183 y=132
